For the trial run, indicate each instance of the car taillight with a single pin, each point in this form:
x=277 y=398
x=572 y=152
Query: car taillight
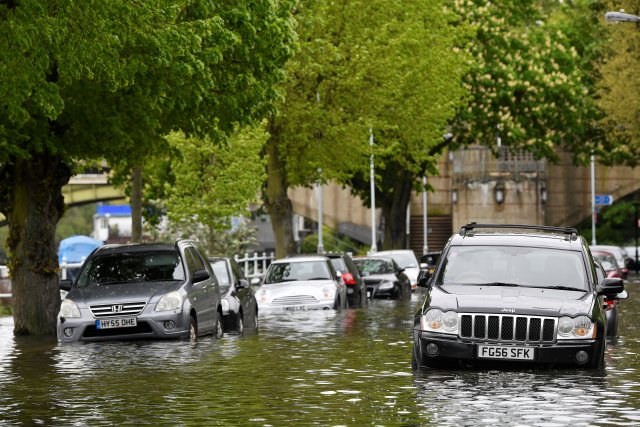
x=348 y=279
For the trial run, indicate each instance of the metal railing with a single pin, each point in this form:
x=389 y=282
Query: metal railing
x=480 y=163
x=254 y=265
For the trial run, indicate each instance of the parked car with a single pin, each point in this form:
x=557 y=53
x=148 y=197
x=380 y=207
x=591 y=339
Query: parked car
x=383 y=277
x=141 y=291
x=356 y=290
x=301 y=283
x=618 y=252
x=407 y=260
x=609 y=263
x=239 y=305
x=513 y=293
x=610 y=303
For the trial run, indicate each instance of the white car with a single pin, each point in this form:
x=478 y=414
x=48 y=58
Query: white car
x=406 y=259
x=301 y=283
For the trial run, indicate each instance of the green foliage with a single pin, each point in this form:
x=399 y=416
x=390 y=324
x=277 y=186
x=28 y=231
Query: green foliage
x=5 y=310
x=228 y=238
x=616 y=224
x=531 y=77
x=387 y=65
x=619 y=88
x=332 y=242
x=76 y=221
x=111 y=78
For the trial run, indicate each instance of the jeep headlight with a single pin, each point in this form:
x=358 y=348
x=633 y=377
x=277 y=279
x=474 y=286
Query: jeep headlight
x=170 y=301
x=575 y=327
x=436 y=320
x=69 y=309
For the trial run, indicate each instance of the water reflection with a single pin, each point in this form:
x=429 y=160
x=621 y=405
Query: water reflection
x=323 y=367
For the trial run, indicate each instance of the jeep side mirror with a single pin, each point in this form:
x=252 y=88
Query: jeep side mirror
x=424 y=279
x=611 y=287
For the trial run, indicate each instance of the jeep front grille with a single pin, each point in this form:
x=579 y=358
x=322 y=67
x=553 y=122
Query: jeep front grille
x=507 y=328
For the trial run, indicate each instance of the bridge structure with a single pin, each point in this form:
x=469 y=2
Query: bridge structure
x=467 y=188
x=85 y=189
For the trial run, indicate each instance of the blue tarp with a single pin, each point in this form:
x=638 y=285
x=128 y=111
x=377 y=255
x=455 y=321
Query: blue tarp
x=77 y=248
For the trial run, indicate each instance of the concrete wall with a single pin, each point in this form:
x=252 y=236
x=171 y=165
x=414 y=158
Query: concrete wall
x=476 y=202
x=569 y=189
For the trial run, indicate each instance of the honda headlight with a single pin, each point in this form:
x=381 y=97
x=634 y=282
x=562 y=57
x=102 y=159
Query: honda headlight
x=170 y=301
x=69 y=309
x=436 y=320
x=575 y=327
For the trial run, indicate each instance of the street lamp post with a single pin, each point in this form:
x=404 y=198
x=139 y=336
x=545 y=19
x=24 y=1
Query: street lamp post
x=593 y=200
x=374 y=247
x=320 y=212
x=425 y=244
x=635 y=228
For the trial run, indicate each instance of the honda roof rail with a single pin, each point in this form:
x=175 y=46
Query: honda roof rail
x=571 y=231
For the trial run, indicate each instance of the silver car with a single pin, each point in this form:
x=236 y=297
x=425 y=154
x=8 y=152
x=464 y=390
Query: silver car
x=139 y=291
x=301 y=283
x=407 y=260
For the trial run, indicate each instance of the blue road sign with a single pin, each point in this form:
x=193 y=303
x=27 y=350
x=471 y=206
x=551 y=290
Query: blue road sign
x=603 y=199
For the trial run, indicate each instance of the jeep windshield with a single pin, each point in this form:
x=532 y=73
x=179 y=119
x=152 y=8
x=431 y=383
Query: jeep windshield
x=514 y=266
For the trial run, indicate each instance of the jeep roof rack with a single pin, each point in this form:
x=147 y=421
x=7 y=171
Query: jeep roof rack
x=571 y=231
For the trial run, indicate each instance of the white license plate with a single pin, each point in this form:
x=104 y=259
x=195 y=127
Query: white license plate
x=505 y=352
x=349 y=291
x=124 y=322
x=295 y=308
x=368 y=294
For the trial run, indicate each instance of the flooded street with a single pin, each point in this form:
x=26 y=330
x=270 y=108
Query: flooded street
x=322 y=368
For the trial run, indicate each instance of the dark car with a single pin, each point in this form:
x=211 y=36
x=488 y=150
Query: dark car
x=513 y=293
x=610 y=303
x=383 y=277
x=138 y=291
x=239 y=306
x=356 y=289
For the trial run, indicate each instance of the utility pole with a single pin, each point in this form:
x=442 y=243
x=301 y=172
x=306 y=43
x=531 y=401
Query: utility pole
x=593 y=200
x=320 y=211
x=374 y=247
x=425 y=244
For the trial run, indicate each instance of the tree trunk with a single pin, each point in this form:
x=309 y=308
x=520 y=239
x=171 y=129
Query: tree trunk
x=136 y=204
x=277 y=201
x=33 y=203
x=394 y=210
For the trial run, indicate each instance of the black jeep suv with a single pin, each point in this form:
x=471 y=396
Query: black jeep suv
x=513 y=293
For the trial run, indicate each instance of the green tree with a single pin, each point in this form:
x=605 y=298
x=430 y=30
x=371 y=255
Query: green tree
x=91 y=80
x=387 y=65
x=531 y=77
x=619 y=88
x=204 y=185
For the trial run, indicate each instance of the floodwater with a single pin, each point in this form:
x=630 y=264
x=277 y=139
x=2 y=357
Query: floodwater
x=320 y=368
